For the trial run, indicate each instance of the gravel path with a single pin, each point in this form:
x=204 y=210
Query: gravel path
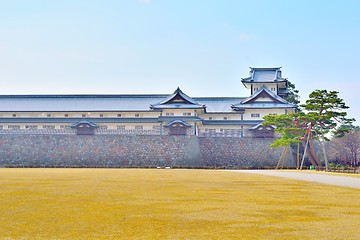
x=345 y=181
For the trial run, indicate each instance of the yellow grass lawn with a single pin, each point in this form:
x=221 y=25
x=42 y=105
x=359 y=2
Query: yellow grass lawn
x=171 y=204
x=323 y=172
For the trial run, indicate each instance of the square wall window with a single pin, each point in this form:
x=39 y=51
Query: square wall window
x=121 y=127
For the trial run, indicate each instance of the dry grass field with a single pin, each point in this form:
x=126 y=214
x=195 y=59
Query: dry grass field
x=171 y=204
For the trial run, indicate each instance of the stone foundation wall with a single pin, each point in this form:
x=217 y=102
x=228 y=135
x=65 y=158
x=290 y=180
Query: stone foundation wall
x=241 y=152
x=67 y=150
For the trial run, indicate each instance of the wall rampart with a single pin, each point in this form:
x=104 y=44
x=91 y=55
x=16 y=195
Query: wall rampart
x=69 y=150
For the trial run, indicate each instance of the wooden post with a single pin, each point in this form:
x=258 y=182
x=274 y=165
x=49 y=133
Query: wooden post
x=298 y=157
x=306 y=146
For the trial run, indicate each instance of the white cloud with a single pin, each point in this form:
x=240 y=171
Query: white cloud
x=246 y=37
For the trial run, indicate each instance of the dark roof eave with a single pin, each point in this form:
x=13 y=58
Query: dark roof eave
x=181 y=107
x=269 y=81
x=177 y=121
x=263 y=107
x=172 y=118
x=80 y=111
x=73 y=120
x=222 y=112
x=231 y=122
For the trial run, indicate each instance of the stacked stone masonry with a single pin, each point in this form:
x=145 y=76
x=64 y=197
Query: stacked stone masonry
x=69 y=150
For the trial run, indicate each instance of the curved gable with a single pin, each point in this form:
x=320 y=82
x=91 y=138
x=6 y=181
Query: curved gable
x=177 y=100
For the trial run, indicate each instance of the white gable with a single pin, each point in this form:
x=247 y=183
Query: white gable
x=264 y=99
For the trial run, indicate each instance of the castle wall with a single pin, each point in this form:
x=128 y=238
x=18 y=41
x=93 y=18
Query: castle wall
x=68 y=150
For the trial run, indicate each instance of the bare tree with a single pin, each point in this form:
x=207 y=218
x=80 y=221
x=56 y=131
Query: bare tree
x=346 y=149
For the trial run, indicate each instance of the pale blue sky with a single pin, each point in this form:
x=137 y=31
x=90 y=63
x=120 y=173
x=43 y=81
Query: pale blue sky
x=153 y=46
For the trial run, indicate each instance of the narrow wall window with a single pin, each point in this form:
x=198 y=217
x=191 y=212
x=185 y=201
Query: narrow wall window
x=225 y=118
x=137 y=115
x=101 y=115
x=121 y=127
x=255 y=115
x=118 y=115
x=83 y=115
x=139 y=127
x=48 y=115
x=14 y=115
x=31 y=126
x=48 y=126
x=66 y=115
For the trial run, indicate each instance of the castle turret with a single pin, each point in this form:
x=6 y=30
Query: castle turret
x=271 y=78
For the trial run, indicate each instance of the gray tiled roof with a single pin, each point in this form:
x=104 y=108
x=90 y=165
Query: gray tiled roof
x=75 y=103
x=93 y=103
x=169 y=103
x=247 y=103
x=231 y=122
x=116 y=103
x=182 y=118
x=256 y=126
x=266 y=91
x=84 y=122
x=177 y=121
x=264 y=106
x=73 y=120
x=219 y=104
x=262 y=75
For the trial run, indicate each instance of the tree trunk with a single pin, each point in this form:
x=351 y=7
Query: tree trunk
x=324 y=152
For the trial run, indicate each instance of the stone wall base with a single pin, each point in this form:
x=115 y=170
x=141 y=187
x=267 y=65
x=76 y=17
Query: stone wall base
x=135 y=151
